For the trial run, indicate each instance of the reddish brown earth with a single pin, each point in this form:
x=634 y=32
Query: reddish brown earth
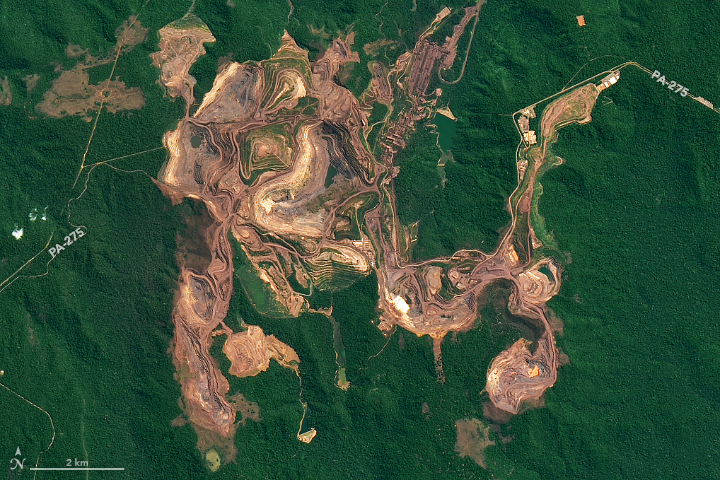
x=258 y=152
x=73 y=94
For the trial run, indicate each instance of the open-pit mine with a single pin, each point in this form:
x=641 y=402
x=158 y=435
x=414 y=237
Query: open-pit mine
x=278 y=153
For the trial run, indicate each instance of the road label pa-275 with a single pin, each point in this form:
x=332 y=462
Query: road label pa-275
x=672 y=85
x=69 y=240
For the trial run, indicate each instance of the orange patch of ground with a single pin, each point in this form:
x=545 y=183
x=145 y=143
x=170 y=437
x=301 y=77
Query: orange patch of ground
x=72 y=93
x=473 y=437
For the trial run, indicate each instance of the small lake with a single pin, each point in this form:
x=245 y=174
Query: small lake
x=446 y=130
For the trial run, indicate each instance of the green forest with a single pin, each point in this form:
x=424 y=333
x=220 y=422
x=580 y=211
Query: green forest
x=634 y=208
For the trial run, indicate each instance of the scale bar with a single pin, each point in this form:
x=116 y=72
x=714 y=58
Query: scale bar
x=77 y=468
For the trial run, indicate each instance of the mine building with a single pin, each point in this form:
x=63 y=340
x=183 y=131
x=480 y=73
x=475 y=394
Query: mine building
x=608 y=81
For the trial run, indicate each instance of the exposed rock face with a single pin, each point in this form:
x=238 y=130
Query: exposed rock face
x=72 y=93
x=473 y=437
x=277 y=152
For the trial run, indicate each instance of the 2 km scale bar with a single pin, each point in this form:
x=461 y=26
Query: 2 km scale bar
x=84 y=469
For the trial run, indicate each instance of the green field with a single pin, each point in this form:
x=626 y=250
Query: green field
x=635 y=207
